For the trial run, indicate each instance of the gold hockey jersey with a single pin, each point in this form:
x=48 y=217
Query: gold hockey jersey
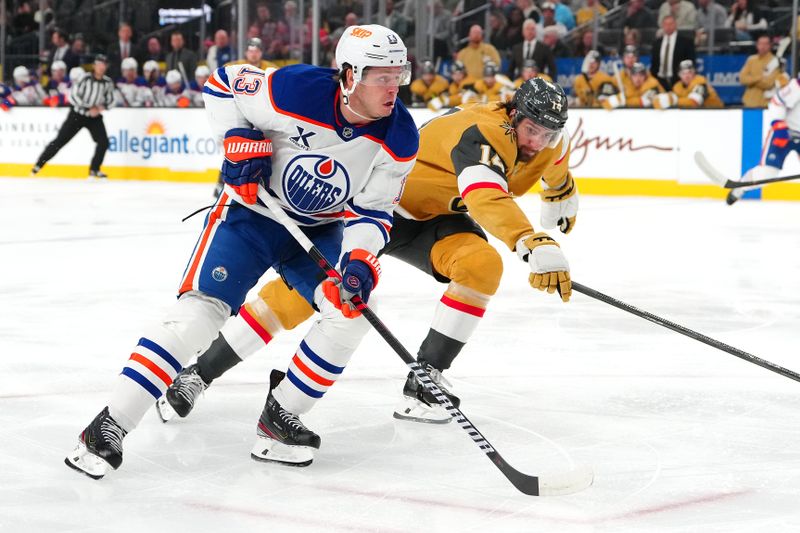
x=699 y=93
x=643 y=96
x=468 y=162
x=421 y=92
x=589 y=91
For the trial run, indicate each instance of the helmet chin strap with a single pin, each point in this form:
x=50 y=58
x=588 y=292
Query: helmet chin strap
x=346 y=100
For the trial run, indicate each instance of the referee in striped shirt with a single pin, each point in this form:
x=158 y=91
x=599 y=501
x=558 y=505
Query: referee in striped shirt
x=89 y=97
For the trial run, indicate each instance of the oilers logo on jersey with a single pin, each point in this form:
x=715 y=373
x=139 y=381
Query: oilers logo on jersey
x=315 y=183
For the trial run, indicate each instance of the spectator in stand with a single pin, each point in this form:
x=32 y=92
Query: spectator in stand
x=254 y=55
x=529 y=9
x=26 y=90
x=530 y=70
x=151 y=52
x=709 y=15
x=683 y=11
x=132 y=90
x=564 y=15
x=587 y=13
x=497 y=27
x=175 y=93
x=551 y=38
x=669 y=51
x=638 y=16
x=267 y=27
x=201 y=75
x=121 y=49
x=760 y=75
x=79 y=49
x=58 y=86
x=513 y=31
x=397 y=21
x=61 y=50
x=441 y=31
x=691 y=91
x=220 y=52
x=746 y=19
x=585 y=44
x=428 y=86
x=592 y=86
x=181 y=59
x=530 y=48
x=152 y=75
x=477 y=52
x=549 y=19
x=350 y=19
x=632 y=37
x=24 y=22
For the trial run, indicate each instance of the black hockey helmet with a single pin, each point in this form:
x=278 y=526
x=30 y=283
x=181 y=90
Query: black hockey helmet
x=427 y=67
x=541 y=101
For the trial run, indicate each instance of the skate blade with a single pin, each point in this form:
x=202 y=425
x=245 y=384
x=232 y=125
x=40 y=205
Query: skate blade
x=165 y=410
x=414 y=410
x=86 y=463
x=272 y=451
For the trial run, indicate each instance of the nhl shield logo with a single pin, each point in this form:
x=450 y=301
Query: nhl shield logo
x=315 y=183
x=219 y=274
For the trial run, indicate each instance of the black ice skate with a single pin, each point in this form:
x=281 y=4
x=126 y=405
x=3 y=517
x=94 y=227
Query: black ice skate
x=282 y=437
x=99 y=446
x=182 y=394
x=97 y=175
x=419 y=405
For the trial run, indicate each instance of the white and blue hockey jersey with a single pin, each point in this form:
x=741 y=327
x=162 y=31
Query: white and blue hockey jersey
x=323 y=168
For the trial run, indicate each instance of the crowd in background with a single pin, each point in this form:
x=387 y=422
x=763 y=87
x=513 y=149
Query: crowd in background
x=470 y=61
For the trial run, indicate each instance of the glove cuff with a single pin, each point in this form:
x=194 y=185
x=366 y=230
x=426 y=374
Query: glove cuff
x=558 y=194
x=359 y=254
x=241 y=144
x=528 y=242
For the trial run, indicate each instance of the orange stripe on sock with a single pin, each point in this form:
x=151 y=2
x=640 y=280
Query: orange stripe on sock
x=152 y=367
x=310 y=373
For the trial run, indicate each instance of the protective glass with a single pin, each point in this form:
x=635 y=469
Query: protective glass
x=386 y=76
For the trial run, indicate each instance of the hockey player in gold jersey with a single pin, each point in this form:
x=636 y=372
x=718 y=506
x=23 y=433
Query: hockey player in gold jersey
x=494 y=87
x=630 y=56
x=471 y=164
x=643 y=89
x=592 y=85
x=429 y=85
x=461 y=89
x=530 y=70
x=691 y=91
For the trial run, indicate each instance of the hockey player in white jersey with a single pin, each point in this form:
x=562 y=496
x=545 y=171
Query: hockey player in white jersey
x=132 y=90
x=201 y=75
x=783 y=137
x=334 y=149
x=174 y=93
x=26 y=90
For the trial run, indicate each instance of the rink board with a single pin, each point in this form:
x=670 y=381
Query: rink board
x=624 y=152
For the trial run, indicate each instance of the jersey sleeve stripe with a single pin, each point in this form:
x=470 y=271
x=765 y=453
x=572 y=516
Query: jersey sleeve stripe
x=373 y=213
x=218 y=85
x=212 y=92
x=481 y=185
x=384 y=229
x=223 y=76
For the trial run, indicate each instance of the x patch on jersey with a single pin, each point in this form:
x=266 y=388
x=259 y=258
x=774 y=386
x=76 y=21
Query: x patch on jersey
x=302 y=137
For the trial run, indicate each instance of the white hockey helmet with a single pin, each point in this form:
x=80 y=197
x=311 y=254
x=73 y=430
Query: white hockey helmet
x=150 y=66
x=173 y=76
x=372 y=45
x=75 y=74
x=22 y=74
x=129 y=63
x=203 y=71
x=58 y=65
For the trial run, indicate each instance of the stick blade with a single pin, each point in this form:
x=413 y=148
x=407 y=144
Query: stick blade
x=711 y=173
x=567 y=482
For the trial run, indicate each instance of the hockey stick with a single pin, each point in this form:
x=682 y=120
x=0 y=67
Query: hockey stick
x=717 y=177
x=548 y=485
x=750 y=358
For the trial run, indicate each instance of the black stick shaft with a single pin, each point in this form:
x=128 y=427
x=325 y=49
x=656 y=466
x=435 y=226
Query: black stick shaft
x=733 y=184
x=583 y=289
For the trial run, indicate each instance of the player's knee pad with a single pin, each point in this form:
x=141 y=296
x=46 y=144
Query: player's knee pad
x=194 y=322
x=288 y=306
x=468 y=260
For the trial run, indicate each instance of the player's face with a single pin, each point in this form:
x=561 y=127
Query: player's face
x=100 y=68
x=253 y=55
x=529 y=73
x=686 y=76
x=593 y=67
x=532 y=138
x=638 y=79
x=376 y=93
x=457 y=75
x=628 y=60
x=129 y=74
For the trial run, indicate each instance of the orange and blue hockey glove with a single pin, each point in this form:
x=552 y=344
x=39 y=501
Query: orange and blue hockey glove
x=248 y=161
x=360 y=273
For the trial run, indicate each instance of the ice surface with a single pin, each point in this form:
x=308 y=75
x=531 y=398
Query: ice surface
x=682 y=437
